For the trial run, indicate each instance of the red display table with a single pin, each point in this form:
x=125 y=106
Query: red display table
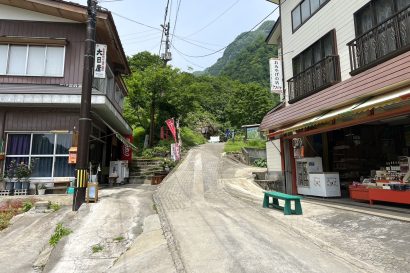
x=359 y=193
x=371 y=195
x=401 y=197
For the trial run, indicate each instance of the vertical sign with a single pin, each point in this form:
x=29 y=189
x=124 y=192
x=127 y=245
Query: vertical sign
x=276 y=85
x=126 y=151
x=100 y=61
x=171 y=126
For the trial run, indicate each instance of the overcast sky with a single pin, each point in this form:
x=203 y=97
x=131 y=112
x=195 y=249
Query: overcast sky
x=210 y=24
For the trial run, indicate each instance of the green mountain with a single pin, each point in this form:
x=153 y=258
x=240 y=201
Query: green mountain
x=247 y=58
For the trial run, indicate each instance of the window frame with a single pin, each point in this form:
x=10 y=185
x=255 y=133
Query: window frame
x=371 y=5
x=27 y=59
x=300 y=13
x=30 y=155
x=332 y=35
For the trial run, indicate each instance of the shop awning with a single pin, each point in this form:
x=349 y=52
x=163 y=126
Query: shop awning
x=364 y=105
x=125 y=141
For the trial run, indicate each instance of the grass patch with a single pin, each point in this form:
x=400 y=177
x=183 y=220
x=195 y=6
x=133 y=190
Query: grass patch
x=154 y=207
x=190 y=138
x=5 y=218
x=119 y=239
x=97 y=248
x=59 y=233
x=236 y=147
x=27 y=205
x=55 y=206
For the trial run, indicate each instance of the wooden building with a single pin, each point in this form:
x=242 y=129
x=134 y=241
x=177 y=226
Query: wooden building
x=42 y=46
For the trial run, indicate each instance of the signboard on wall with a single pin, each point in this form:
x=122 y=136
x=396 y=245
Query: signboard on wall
x=126 y=150
x=276 y=84
x=100 y=60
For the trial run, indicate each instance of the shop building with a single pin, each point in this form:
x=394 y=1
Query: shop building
x=42 y=46
x=345 y=112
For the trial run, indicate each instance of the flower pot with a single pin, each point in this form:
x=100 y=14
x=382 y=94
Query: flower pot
x=25 y=185
x=17 y=185
x=41 y=191
x=9 y=186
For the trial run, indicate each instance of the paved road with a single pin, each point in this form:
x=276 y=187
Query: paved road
x=216 y=232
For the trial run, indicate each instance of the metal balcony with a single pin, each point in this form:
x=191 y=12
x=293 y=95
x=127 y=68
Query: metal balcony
x=315 y=78
x=384 y=41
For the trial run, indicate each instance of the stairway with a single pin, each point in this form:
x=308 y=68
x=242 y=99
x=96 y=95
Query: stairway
x=142 y=170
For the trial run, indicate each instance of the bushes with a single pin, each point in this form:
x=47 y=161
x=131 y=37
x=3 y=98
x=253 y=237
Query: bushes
x=59 y=233
x=191 y=138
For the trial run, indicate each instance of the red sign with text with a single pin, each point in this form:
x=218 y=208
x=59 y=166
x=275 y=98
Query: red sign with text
x=126 y=151
x=171 y=126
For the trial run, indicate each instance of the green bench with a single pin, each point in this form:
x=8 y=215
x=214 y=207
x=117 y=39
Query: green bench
x=287 y=210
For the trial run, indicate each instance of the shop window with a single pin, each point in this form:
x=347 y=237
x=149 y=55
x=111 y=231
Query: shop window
x=32 y=60
x=304 y=11
x=48 y=153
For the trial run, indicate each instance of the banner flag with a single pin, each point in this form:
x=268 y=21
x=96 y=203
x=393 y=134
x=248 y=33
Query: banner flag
x=171 y=126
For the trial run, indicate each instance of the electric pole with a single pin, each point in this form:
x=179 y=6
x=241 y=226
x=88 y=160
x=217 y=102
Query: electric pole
x=84 y=122
x=166 y=57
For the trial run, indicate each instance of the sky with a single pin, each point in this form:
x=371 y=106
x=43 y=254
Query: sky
x=202 y=27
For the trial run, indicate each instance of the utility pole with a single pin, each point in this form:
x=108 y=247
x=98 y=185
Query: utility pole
x=166 y=57
x=84 y=122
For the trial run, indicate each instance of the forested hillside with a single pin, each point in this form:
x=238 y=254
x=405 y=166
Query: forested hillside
x=198 y=101
x=247 y=58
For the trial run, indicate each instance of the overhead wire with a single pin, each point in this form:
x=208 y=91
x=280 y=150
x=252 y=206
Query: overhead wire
x=176 y=20
x=189 y=61
x=214 y=20
x=243 y=36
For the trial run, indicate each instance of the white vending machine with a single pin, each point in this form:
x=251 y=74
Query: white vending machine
x=305 y=166
x=120 y=170
x=324 y=184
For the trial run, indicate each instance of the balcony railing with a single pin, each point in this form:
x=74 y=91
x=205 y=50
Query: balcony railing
x=386 y=40
x=315 y=78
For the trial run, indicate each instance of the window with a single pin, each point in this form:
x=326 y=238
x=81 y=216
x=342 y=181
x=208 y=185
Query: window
x=32 y=60
x=48 y=153
x=316 y=68
x=304 y=11
x=321 y=49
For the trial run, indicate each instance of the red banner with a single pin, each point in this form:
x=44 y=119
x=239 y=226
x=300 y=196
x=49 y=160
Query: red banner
x=171 y=126
x=126 y=151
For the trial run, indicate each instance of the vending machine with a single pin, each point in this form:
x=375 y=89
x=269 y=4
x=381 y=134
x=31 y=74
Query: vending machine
x=119 y=169
x=305 y=166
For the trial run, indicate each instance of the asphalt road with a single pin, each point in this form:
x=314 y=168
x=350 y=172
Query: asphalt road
x=217 y=232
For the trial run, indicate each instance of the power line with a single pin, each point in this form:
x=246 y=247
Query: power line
x=176 y=20
x=182 y=56
x=243 y=36
x=214 y=20
x=186 y=41
x=134 y=21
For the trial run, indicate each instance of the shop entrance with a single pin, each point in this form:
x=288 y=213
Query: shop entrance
x=367 y=162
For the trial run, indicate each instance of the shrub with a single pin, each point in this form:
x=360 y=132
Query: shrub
x=97 y=248
x=27 y=205
x=55 y=206
x=5 y=218
x=59 y=232
x=260 y=162
x=191 y=138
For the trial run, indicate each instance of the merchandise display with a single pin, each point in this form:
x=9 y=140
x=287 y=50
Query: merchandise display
x=389 y=184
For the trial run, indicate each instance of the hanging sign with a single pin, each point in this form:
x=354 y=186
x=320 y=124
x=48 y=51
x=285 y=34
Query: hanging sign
x=100 y=61
x=126 y=150
x=276 y=85
x=171 y=126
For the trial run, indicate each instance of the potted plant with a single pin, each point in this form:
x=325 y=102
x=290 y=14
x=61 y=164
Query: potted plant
x=23 y=173
x=10 y=174
x=41 y=189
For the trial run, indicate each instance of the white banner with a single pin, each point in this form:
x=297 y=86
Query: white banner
x=100 y=61
x=276 y=85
